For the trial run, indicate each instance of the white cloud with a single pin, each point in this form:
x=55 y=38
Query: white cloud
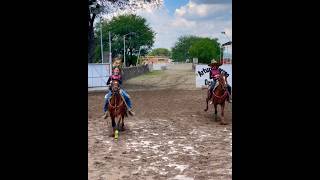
x=193 y=10
x=207 y=20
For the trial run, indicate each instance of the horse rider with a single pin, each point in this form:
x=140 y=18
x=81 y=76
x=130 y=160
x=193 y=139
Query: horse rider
x=116 y=76
x=214 y=74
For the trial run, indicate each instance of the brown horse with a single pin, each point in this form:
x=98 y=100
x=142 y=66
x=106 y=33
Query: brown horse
x=116 y=107
x=219 y=97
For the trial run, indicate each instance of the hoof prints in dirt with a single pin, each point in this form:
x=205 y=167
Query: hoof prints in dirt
x=158 y=149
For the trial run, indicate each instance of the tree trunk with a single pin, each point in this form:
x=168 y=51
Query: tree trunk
x=91 y=44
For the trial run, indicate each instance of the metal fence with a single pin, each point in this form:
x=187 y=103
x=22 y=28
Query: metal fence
x=98 y=74
x=130 y=72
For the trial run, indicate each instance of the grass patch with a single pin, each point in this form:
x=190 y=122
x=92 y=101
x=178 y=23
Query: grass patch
x=152 y=74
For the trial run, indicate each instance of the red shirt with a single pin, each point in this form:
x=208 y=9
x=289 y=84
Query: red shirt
x=215 y=73
x=117 y=77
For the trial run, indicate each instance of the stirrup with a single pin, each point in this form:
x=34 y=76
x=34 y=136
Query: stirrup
x=106 y=114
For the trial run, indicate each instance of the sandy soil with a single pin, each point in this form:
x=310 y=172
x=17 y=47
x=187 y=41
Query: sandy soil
x=171 y=137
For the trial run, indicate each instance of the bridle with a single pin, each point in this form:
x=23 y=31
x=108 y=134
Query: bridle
x=223 y=86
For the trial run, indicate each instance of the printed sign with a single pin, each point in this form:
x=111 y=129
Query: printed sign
x=202 y=75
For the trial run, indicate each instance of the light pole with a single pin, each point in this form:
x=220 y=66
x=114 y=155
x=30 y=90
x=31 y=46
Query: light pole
x=221 y=51
x=124 y=47
x=101 y=40
x=110 y=55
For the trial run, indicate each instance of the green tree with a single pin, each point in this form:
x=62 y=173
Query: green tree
x=160 y=52
x=98 y=7
x=180 y=51
x=137 y=31
x=205 y=49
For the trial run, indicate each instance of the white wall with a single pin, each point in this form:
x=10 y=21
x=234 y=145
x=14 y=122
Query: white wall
x=158 y=66
x=98 y=74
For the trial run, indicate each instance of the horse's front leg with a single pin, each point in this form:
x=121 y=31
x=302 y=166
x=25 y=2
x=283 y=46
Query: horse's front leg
x=113 y=126
x=118 y=124
x=207 y=100
x=215 y=112
x=222 y=115
x=122 y=123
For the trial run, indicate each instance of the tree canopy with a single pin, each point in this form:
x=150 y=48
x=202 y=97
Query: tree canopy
x=180 y=51
x=160 y=52
x=112 y=7
x=205 y=50
x=138 y=35
x=188 y=47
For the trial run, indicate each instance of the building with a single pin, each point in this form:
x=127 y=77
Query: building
x=155 y=60
x=227 y=61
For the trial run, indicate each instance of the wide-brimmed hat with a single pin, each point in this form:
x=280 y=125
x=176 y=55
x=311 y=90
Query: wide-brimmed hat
x=214 y=63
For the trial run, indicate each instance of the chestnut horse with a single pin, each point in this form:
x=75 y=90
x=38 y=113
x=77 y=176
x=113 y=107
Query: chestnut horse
x=116 y=107
x=219 y=97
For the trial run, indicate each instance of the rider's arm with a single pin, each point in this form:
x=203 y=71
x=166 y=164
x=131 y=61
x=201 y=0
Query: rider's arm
x=108 y=82
x=223 y=71
x=210 y=75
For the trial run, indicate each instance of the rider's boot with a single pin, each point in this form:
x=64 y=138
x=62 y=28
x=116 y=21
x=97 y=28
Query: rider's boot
x=209 y=96
x=130 y=111
x=229 y=99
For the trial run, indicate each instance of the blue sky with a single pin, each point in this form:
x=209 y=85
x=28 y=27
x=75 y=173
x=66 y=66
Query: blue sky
x=204 y=18
x=172 y=5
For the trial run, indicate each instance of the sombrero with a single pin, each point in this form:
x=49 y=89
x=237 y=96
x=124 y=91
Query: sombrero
x=214 y=62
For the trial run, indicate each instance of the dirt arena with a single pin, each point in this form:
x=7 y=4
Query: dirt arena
x=171 y=137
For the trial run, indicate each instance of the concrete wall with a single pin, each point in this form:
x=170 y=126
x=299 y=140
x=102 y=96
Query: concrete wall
x=159 y=66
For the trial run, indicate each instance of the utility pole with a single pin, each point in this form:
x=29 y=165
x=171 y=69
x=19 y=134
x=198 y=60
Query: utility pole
x=110 y=55
x=101 y=40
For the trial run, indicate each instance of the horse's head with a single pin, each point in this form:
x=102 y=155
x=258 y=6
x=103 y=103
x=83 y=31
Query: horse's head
x=115 y=86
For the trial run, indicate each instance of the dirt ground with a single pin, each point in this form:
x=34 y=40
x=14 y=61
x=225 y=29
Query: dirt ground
x=171 y=137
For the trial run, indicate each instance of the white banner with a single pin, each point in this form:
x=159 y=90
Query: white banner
x=202 y=74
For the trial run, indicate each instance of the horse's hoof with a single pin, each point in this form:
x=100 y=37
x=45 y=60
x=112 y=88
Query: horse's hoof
x=223 y=123
x=206 y=110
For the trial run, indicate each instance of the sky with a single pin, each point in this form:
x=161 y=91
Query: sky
x=204 y=18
